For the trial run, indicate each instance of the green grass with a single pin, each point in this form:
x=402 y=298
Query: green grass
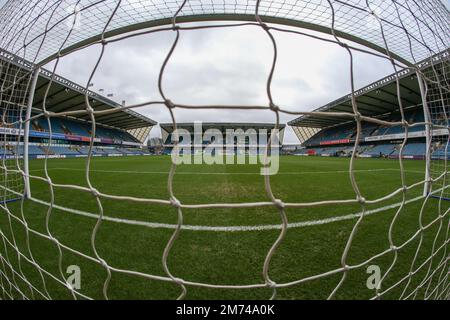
x=227 y=258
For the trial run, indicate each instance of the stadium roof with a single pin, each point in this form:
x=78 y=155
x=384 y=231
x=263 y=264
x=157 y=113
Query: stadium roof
x=374 y=100
x=168 y=127
x=65 y=95
x=40 y=29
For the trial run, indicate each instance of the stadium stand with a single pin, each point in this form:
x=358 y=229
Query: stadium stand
x=76 y=128
x=63 y=150
x=439 y=151
x=224 y=128
x=412 y=149
x=123 y=132
x=334 y=136
x=380 y=150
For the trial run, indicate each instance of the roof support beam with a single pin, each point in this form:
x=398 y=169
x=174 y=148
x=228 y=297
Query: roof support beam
x=410 y=90
x=51 y=96
x=371 y=105
x=126 y=126
x=394 y=106
x=111 y=117
x=44 y=85
x=395 y=95
x=74 y=107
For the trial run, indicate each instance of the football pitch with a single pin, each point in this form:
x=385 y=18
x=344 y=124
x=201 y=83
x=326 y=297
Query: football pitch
x=222 y=246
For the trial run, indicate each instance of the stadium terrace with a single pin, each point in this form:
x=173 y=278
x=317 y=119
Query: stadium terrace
x=119 y=133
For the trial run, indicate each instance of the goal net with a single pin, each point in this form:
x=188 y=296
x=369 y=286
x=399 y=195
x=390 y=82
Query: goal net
x=412 y=34
x=13 y=97
x=438 y=106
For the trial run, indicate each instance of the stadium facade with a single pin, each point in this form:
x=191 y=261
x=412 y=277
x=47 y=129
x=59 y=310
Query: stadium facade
x=118 y=133
x=238 y=137
x=323 y=135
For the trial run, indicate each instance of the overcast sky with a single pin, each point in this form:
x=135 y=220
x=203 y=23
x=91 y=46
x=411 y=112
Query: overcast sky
x=224 y=66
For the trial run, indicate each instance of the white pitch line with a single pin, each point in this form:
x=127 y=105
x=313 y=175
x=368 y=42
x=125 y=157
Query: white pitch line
x=229 y=173
x=153 y=225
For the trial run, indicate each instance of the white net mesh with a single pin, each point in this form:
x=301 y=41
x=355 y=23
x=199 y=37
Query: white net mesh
x=403 y=32
x=14 y=97
x=438 y=105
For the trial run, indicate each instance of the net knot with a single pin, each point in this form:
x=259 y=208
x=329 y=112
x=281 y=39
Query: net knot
x=178 y=281
x=264 y=26
x=89 y=110
x=55 y=241
x=394 y=248
x=274 y=107
x=272 y=285
x=47 y=114
x=279 y=204
x=95 y=193
x=361 y=200
x=103 y=263
x=358 y=116
x=405 y=123
x=169 y=104
x=175 y=202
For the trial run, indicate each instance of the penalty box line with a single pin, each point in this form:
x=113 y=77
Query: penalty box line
x=155 y=225
x=230 y=173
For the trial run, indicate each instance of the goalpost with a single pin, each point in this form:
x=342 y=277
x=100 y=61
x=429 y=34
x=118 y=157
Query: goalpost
x=438 y=112
x=407 y=33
